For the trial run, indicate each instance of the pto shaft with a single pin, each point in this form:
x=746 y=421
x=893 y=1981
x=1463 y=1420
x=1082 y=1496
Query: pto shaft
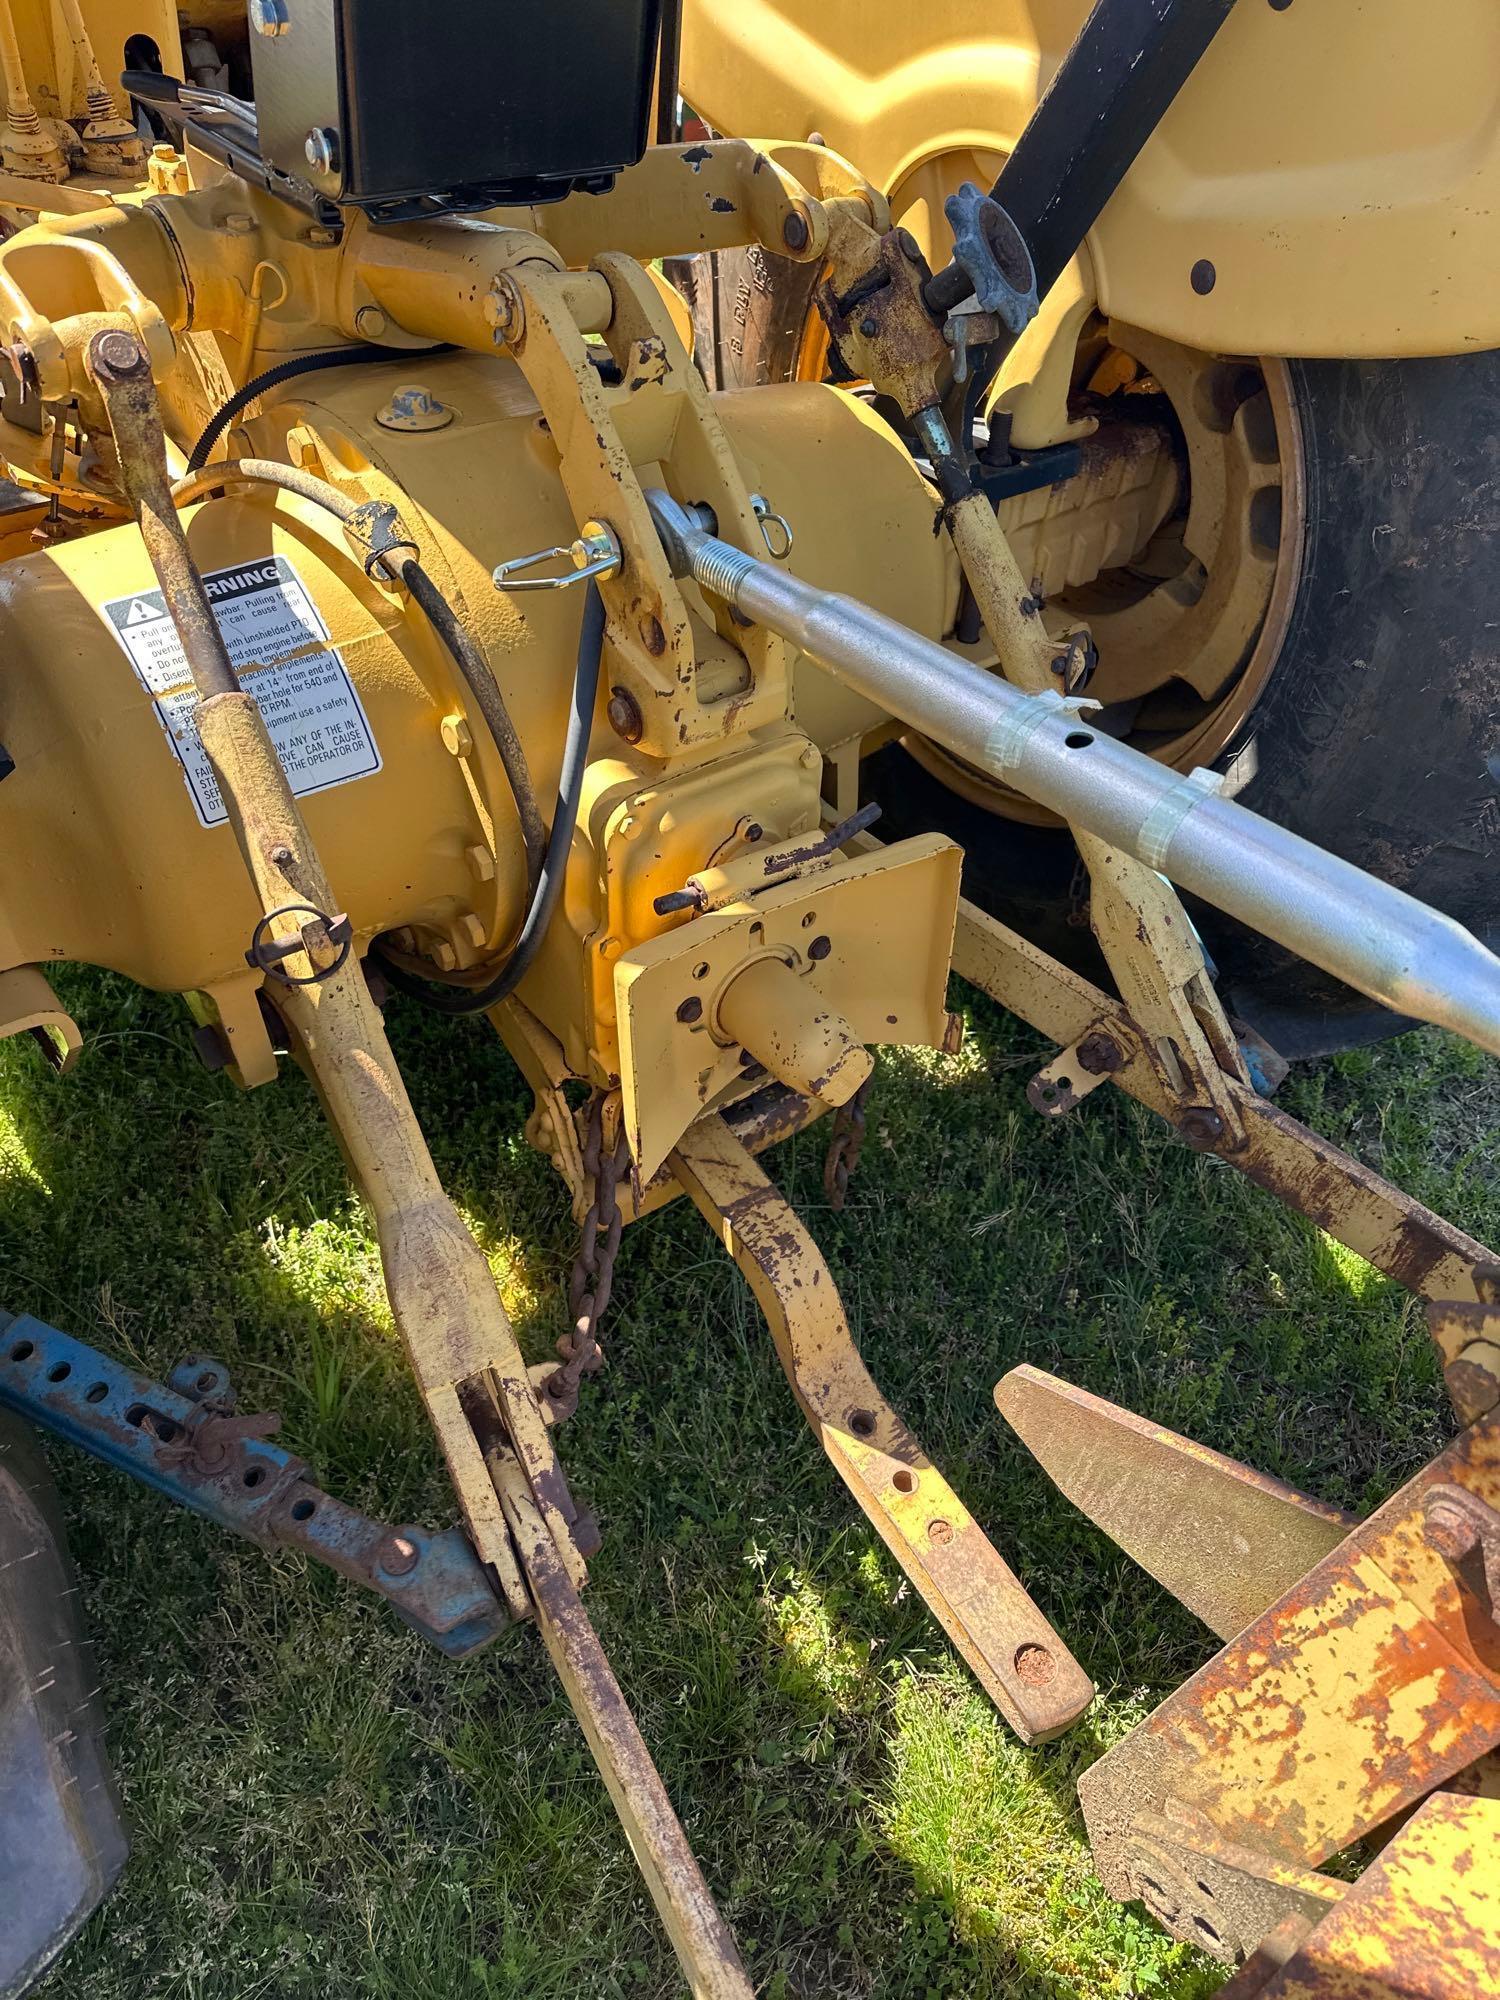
x=1363 y=931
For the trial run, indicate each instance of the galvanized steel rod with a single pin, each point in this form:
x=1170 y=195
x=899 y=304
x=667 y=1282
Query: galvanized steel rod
x=1363 y=931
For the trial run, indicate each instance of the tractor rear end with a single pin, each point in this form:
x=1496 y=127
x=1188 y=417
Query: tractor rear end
x=391 y=607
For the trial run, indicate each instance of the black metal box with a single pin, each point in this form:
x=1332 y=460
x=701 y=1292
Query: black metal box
x=397 y=105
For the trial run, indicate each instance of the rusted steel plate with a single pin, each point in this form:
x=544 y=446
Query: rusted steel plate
x=1225 y=1540
x=1375 y=1679
x=1020 y=1661
x=1384 y=1226
x=1422 y=1922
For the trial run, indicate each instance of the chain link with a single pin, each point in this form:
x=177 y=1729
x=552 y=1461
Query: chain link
x=844 y=1146
x=594 y=1267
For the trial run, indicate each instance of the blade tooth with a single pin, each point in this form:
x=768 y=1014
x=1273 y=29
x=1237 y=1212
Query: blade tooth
x=1225 y=1540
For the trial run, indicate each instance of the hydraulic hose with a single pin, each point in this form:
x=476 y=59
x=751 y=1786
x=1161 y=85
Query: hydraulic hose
x=466 y=656
x=287 y=371
x=454 y=999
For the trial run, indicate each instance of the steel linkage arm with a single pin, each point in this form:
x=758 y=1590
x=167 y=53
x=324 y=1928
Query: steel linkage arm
x=463 y=1352
x=1018 y=1659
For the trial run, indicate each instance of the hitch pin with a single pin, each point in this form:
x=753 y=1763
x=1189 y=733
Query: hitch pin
x=596 y=553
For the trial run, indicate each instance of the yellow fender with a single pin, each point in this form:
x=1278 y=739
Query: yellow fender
x=1337 y=164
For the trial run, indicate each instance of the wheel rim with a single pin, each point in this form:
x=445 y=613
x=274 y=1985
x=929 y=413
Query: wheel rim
x=1185 y=655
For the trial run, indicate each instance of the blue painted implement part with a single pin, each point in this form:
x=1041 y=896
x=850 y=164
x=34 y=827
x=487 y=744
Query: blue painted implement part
x=186 y=1441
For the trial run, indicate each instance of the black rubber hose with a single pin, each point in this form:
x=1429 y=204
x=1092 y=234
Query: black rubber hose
x=286 y=371
x=466 y=656
x=454 y=999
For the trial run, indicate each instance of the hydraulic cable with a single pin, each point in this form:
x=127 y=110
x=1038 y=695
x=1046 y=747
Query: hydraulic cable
x=287 y=371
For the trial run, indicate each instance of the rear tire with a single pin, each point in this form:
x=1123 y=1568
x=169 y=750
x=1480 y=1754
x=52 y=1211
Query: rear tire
x=1377 y=734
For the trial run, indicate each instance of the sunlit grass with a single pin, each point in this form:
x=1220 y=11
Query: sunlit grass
x=324 y=1807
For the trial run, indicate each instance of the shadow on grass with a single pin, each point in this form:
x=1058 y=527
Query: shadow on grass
x=322 y=1806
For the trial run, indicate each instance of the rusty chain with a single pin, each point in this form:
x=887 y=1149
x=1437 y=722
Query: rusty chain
x=594 y=1266
x=844 y=1146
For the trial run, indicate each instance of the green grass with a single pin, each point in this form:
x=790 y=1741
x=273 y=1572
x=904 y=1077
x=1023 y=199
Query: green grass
x=323 y=1806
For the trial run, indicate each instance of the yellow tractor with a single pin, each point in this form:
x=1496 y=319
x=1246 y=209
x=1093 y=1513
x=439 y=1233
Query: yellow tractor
x=482 y=521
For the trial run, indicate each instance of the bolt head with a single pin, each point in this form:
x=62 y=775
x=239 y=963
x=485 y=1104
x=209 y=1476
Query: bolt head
x=118 y=351
x=869 y=327
x=321 y=149
x=1201 y=1126
x=624 y=713
x=794 y=231
x=398 y=1555
x=458 y=738
x=911 y=250
x=690 y=1010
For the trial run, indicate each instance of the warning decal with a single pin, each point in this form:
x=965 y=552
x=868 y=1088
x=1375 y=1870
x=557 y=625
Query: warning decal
x=278 y=644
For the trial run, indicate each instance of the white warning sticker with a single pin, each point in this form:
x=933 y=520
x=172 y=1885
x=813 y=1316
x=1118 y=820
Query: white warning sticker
x=278 y=645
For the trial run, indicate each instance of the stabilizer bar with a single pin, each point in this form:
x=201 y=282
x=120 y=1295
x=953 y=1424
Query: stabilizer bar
x=1363 y=931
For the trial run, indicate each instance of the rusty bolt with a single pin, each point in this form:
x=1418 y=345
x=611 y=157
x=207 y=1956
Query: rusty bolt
x=1201 y=1126
x=691 y=1009
x=869 y=326
x=624 y=713
x=794 y=231
x=1035 y=1665
x=279 y=855
x=1449 y=1526
x=652 y=637
x=1100 y=1055
x=115 y=352
x=397 y=1555
x=940 y=1532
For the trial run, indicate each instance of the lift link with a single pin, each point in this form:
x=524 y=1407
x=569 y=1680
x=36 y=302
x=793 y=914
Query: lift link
x=1142 y=928
x=442 y=1294
x=1018 y=1659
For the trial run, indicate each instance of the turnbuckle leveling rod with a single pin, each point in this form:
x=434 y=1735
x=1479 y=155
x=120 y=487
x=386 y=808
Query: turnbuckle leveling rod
x=1361 y=930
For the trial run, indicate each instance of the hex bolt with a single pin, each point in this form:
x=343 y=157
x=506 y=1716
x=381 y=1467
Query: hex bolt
x=1201 y=1126
x=1100 y=1054
x=397 y=1555
x=794 y=231
x=625 y=717
x=458 y=738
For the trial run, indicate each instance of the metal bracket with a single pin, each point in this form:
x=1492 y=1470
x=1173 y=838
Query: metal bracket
x=182 y=1441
